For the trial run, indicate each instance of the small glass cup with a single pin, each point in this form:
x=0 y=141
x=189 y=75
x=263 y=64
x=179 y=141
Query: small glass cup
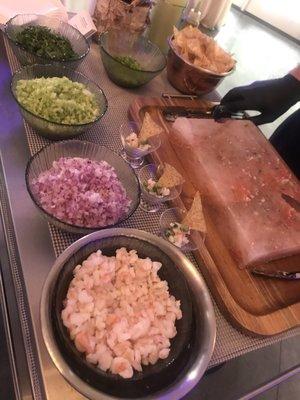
x=134 y=155
x=177 y=214
x=150 y=202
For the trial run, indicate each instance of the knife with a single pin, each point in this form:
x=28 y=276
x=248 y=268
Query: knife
x=289 y=276
x=291 y=201
x=218 y=112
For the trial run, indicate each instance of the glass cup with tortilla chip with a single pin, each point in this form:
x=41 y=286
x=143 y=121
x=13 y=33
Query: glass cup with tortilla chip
x=137 y=143
x=184 y=229
x=158 y=184
x=174 y=231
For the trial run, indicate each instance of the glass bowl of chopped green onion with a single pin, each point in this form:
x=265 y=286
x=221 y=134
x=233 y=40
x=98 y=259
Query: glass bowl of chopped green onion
x=57 y=102
x=37 y=39
x=174 y=231
x=130 y=60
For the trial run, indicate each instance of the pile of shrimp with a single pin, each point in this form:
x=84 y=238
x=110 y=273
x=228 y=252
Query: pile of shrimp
x=120 y=313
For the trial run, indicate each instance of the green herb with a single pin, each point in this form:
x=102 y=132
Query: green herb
x=58 y=100
x=44 y=43
x=185 y=228
x=168 y=233
x=177 y=225
x=129 y=62
x=156 y=188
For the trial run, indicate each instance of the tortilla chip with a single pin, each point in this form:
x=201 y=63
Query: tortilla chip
x=149 y=128
x=201 y=50
x=170 y=177
x=194 y=218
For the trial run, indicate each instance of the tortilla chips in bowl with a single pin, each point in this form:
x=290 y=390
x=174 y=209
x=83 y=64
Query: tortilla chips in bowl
x=196 y=64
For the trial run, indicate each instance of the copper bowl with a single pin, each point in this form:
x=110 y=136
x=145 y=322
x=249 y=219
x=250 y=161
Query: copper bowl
x=189 y=79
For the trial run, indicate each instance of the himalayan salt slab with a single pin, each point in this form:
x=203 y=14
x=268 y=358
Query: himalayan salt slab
x=241 y=179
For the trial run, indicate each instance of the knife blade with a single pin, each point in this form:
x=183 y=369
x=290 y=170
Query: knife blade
x=218 y=112
x=291 y=201
x=289 y=276
x=171 y=113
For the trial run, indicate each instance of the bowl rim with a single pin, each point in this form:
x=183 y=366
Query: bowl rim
x=223 y=74
x=78 y=58
x=126 y=66
x=195 y=283
x=86 y=228
x=60 y=124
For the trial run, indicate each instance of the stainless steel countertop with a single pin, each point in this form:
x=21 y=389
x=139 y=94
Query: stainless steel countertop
x=31 y=231
x=32 y=234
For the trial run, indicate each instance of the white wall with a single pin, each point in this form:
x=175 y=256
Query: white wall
x=282 y=14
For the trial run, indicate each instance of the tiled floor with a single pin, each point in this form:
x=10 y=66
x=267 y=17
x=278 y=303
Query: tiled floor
x=261 y=54
x=244 y=373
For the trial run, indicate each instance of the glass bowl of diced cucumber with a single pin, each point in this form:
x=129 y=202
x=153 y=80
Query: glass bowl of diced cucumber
x=57 y=102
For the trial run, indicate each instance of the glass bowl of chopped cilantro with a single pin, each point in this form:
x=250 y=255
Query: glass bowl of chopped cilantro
x=37 y=39
x=57 y=102
x=130 y=60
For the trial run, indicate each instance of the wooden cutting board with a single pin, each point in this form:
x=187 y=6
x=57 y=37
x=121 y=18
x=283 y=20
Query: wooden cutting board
x=257 y=306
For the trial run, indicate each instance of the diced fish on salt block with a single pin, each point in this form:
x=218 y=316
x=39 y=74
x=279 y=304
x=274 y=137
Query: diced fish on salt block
x=242 y=178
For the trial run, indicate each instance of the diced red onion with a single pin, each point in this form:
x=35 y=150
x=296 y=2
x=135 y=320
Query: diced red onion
x=82 y=192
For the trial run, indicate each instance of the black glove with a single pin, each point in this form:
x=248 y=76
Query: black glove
x=272 y=98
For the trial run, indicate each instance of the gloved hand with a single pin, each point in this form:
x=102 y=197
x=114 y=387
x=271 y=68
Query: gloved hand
x=271 y=97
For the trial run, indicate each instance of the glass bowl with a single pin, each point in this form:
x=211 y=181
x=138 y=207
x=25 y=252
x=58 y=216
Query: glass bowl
x=177 y=214
x=43 y=160
x=150 y=202
x=135 y=156
x=19 y=22
x=44 y=127
x=121 y=44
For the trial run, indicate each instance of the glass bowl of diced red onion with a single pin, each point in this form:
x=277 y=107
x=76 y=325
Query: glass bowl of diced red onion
x=82 y=187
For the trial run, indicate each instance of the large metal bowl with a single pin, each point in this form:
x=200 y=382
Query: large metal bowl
x=203 y=331
x=189 y=79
